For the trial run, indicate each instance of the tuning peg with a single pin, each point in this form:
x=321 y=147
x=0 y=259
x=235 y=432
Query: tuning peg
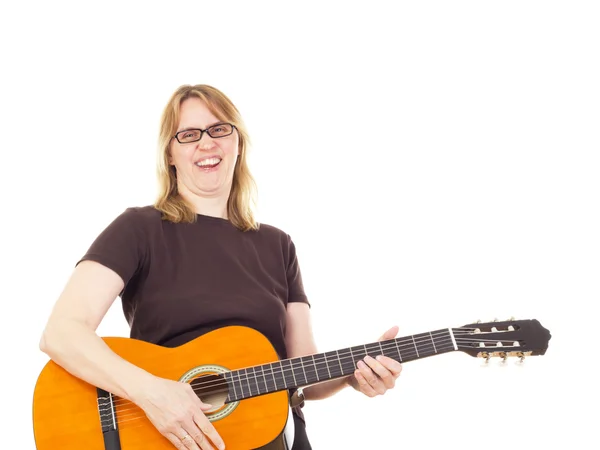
x=511 y=318
x=478 y=321
x=521 y=357
x=504 y=356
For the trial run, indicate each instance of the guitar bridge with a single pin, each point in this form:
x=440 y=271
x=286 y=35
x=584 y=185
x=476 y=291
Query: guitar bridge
x=108 y=420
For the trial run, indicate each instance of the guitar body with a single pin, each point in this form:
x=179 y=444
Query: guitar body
x=66 y=412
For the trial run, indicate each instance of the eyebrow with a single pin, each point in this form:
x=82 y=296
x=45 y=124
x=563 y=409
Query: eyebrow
x=198 y=128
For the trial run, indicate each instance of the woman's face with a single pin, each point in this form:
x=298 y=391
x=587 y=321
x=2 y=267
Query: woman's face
x=205 y=167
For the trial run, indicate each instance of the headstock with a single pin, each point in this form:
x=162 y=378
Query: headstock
x=511 y=338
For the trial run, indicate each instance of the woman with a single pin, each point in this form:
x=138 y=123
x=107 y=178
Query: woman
x=194 y=261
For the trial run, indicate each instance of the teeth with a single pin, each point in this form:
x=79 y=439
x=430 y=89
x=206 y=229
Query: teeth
x=208 y=162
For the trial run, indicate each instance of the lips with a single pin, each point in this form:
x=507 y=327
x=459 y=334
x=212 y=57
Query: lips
x=208 y=162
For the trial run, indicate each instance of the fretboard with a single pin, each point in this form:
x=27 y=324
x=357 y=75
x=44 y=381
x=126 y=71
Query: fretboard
x=303 y=371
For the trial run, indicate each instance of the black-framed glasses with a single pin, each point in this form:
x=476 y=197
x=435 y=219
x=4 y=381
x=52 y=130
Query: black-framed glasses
x=218 y=130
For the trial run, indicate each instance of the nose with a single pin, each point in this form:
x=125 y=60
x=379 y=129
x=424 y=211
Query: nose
x=205 y=142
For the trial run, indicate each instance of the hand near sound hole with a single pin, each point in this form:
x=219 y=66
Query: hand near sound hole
x=178 y=414
x=374 y=376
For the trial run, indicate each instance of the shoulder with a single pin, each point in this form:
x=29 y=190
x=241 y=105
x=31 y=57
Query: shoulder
x=277 y=237
x=142 y=213
x=272 y=232
x=136 y=218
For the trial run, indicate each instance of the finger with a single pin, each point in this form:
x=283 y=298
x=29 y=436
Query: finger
x=209 y=431
x=389 y=334
x=363 y=385
x=180 y=444
x=381 y=371
x=374 y=382
x=390 y=364
x=193 y=438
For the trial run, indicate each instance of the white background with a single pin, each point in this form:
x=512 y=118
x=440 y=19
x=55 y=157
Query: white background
x=435 y=163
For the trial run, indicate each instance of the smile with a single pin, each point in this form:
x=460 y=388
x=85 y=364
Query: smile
x=208 y=163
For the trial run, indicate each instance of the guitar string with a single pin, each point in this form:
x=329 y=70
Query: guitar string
x=223 y=383
x=137 y=413
x=342 y=356
x=390 y=344
x=245 y=380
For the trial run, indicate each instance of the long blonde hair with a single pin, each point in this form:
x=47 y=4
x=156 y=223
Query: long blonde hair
x=243 y=189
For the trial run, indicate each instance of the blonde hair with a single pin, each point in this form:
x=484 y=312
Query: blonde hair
x=243 y=189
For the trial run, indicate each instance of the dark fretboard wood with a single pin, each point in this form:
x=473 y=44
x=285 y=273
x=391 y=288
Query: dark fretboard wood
x=303 y=371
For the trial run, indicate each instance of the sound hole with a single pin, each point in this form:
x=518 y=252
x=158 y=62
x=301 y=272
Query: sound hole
x=211 y=389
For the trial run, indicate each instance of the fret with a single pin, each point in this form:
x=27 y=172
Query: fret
x=415 y=344
x=339 y=362
x=433 y=342
x=389 y=350
x=260 y=380
x=358 y=353
x=251 y=380
x=289 y=378
x=335 y=369
x=230 y=376
x=244 y=387
x=270 y=378
x=278 y=377
x=326 y=366
x=299 y=366
x=309 y=369
x=398 y=348
x=425 y=347
x=314 y=364
x=445 y=340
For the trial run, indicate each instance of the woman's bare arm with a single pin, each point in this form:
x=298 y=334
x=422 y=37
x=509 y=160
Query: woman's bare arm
x=70 y=338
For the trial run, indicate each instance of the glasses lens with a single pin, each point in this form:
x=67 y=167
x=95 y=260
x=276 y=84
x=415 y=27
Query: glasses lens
x=220 y=130
x=188 y=135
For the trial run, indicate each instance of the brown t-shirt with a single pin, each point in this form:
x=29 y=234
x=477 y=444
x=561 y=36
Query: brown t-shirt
x=183 y=280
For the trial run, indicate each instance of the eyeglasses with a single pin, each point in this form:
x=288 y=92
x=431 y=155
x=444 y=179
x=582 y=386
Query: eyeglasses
x=215 y=131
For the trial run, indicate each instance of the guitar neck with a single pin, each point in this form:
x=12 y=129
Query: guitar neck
x=306 y=370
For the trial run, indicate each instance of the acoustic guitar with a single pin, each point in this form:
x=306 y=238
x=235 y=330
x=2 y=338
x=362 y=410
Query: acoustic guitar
x=237 y=370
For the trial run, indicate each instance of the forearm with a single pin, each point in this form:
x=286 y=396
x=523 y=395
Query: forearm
x=84 y=354
x=327 y=389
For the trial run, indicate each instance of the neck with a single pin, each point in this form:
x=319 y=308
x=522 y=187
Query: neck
x=307 y=370
x=208 y=206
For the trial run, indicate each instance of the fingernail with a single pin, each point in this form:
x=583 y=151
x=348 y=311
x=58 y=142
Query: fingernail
x=361 y=364
x=379 y=357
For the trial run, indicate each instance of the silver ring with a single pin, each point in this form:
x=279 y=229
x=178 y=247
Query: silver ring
x=186 y=437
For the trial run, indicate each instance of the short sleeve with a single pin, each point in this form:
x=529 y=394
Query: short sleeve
x=120 y=246
x=294 y=276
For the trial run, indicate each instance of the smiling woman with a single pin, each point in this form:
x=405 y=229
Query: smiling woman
x=193 y=265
